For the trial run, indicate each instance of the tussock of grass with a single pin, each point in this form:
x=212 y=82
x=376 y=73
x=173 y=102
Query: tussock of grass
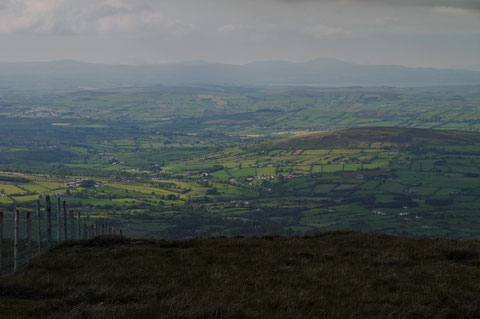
x=333 y=275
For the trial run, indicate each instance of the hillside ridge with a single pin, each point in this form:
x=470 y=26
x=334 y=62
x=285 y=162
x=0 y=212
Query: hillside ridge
x=381 y=136
x=331 y=275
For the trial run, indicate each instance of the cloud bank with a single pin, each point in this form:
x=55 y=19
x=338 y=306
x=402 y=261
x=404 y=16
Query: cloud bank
x=103 y=16
x=438 y=33
x=86 y=16
x=460 y=4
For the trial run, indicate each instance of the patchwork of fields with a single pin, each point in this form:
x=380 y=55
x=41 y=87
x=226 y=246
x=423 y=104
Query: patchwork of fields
x=179 y=163
x=422 y=191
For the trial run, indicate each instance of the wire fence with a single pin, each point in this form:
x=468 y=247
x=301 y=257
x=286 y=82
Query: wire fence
x=26 y=234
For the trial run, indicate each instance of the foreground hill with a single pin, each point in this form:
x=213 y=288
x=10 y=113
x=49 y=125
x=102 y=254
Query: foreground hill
x=330 y=275
x=377 y=137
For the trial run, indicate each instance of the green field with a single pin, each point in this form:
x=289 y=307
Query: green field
x=180 y=162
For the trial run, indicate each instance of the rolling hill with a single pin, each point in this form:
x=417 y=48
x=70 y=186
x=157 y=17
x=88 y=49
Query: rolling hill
x=381 y=136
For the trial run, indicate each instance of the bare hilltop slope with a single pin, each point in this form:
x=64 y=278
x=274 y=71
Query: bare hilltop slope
x=329 y=275
x=377 y=137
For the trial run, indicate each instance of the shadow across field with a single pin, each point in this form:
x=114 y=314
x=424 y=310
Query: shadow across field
x=329 y=275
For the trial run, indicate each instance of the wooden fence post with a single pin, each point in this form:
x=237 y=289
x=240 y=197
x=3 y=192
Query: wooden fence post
x=29 y=237
x=48 y=208
x=39 y=228
x=1 y=239
x=65 y=220
x=85 y=235
x=78 y=226
x=15 y=241
x=59 y=221
x=72 y=230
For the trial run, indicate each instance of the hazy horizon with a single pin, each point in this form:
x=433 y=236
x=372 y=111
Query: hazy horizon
x=425 y=33
x=186 y=62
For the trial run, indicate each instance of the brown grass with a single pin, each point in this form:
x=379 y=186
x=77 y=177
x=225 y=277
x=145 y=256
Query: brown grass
x=365 y=136
x=330 y=275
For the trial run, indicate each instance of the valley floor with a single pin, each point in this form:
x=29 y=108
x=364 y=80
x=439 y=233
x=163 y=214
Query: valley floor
x=329 y=275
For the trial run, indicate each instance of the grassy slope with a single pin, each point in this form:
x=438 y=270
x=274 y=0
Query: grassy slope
x=336 y=275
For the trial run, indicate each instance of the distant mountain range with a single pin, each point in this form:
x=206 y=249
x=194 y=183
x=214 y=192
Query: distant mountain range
x=320 y=72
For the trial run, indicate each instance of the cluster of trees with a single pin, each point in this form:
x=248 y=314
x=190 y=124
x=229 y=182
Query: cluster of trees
x=13 y=179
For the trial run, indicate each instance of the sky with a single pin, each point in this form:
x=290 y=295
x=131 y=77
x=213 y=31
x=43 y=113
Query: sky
x=418 y=33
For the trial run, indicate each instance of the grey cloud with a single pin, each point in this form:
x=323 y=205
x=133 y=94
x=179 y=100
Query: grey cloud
x=461 y=4
x=66 y=17
x=406 y=32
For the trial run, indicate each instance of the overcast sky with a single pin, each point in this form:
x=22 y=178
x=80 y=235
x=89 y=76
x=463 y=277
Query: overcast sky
x=432 y=33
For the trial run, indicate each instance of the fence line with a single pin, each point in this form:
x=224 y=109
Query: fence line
x=1 y=241
x=24 y=235
x=39 y=228
x=59 y=236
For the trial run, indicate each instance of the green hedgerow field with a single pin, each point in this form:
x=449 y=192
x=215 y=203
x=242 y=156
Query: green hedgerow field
x=187 y=161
